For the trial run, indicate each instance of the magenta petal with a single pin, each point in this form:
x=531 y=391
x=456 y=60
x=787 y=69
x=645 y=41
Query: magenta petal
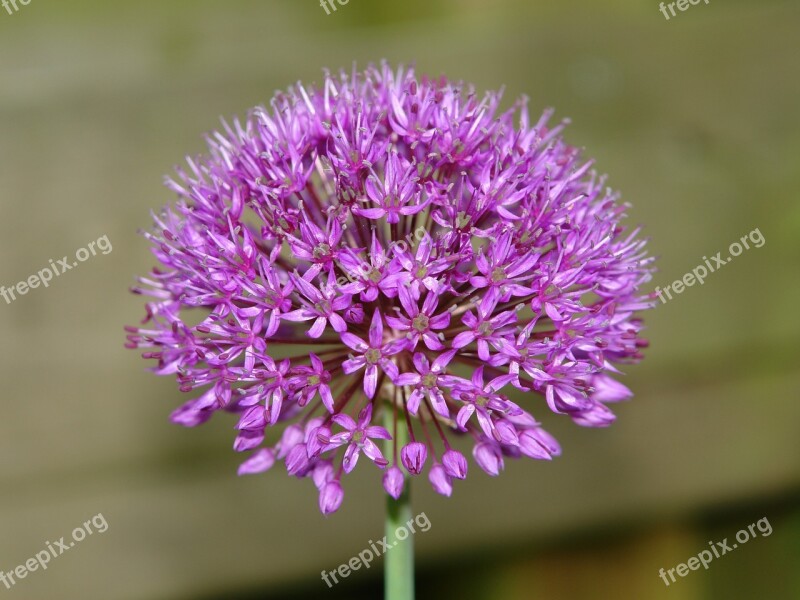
x=188 y=416
x=350 y=459
x=337 y=323
x=297 y=461
x=413 y=457
x=277 y=403
x=252 y=418
x=370 y=213
x=354 y=342
x=389 y=368
x=316 y=363
x=432 y=341
x=393 y=482
x=365 y=416
x=408 y=303
x=485 y=422
x=440 y=321
x=376 y=330
x=323 y=473
x=247 y=440
x=400 y=324
x=440 y=480
x=530 y=446
x=506 y=433
x=337 y=439
x=464 y=413
x=352 y=365
x=455 y=464
x=273 y=323
x=369 y=294
x=378 y=432
x=318 y=327
x=439 y=404
x=298 y=315
x=374 y=453
x=327 y=397
x=317 y=441
x=442 y=360
x=488 y=458
x=341 y=302
x=330 y=497
x=345 y=421
x=552 y=312
x=407 y=379
x=607 y=389
x=421 y=361
x=463 y=339
x=370 y=381
x=545 y=439
x=261 y=461
x=478 y=281
x=413 y=401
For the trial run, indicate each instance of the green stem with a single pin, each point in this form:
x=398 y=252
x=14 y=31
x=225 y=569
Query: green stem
x=399 y=560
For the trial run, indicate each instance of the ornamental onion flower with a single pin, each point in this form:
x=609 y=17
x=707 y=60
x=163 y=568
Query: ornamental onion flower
x=389 y=257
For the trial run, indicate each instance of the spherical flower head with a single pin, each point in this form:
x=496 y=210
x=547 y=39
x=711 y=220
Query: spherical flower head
x=391 y=257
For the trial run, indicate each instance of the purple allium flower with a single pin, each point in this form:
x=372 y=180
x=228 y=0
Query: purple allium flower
x=419 y=322
x=413 y=457
x=357 y=438
x=393 y=481
x=375 y=355
x=392 y=249
x=455 y=464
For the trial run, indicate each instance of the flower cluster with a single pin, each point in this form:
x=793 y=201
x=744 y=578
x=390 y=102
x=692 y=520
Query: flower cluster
x=391 y=257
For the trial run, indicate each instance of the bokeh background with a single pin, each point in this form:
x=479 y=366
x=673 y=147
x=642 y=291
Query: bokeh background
x=696 y=121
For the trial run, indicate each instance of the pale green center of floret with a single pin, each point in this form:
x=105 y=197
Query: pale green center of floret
x=429 y=380
x=420 y=323
x=322 y=250
x=373 y=355
x=481 y=400
x=485 y=329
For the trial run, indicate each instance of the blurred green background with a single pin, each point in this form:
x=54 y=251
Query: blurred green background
x=696 y=121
